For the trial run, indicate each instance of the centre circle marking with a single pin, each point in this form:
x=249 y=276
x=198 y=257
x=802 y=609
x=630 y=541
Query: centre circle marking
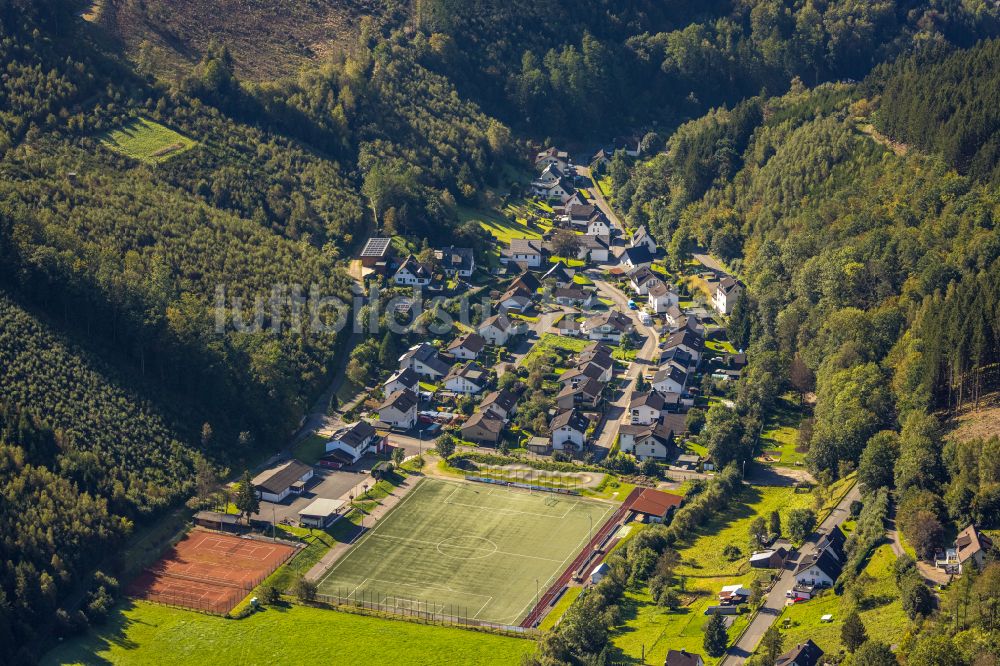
x=477 y=547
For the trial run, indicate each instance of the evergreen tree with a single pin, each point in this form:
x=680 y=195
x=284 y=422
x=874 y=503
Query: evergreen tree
x=874 y=653
x=716 y=638
x=247 y=502
x=771 y=645
x=853 y=632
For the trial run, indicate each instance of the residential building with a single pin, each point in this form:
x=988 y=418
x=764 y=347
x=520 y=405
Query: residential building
x=569 y=430
x=821 y=569
x=483 y=427
x=641 y=238
x=673 y=315
x=642 y=278
x=516 y=299
x=424 y=360
x=803 y=654
x=467 y=346
x=726 y=294
x=971 y=546
x=655 y=440
x=556 y=190
x=686 y=341
x=552 y=156
x=670 y=379
x=596 y=248
x=503 y=403
x=574 y=296
x=524 y=250
x=399 y=410
x=403 y=380
x=661 y=298
x=413 y=273
x=496 y=330
x=460 y=261
x=355 y=441
x=607 y=326
x=550 y=174
x=634 y=257
x=645 y=408
x=683 y=658
x=585 y=395
x=560 y=275
x=598 y=226
x=274 y=485
x=468 y=379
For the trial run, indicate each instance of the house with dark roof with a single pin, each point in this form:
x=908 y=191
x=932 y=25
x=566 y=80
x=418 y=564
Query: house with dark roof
x=634 y=257
x=467 y=346
x=569 y=430
x=413 y=273
x=274 y=485
x=661 y=298
x=503 y=403
x=683 y=658
x=642 y=278
x=559 y=158
x=671 y=378
x=483 y=427
x=803 y=654
x=524 y=250
x=468 y=379
x=585 y=395
x=496 y=330
x=403 y=380
x=560 y=275
x=399 y=410
x=550 y=174
x=595 y=248
x=726 y=294
x=354 y=440
x=656 y=505
x=607 y=326
x=599 y=226
x=574 y=296
x=645 y=408
x=424 y=360
x=687 y=341
x=641 y=238
x=584 y=372
x=558 y=189
x=655 y=440
x=821 y=569
x=460 y=261
x=516 y=299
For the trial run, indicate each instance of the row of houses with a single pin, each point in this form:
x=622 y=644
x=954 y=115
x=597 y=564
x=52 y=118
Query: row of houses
x=802 y=654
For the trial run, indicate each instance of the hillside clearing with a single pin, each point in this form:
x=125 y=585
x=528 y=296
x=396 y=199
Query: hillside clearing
x=147 y=141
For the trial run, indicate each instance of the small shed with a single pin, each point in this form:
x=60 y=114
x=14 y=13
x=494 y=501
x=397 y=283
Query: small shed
x=539 y=445
x=321 y=513
x=215 y=520
x=598 y=573
x=769 y=559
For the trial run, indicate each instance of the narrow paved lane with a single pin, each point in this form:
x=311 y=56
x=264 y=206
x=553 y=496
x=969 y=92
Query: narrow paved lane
x=775 y=602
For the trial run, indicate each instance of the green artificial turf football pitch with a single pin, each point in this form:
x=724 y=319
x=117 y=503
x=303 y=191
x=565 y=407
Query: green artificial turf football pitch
x=470 y=550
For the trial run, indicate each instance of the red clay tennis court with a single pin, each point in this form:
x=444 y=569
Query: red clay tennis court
x=209 y=571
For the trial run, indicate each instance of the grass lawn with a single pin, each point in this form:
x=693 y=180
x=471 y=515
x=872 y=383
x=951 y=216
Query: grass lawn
x=880 y=607
x=141 y=633
x=311 y=449
x=582 y=279
x=565 y=601
x=503 y=229
x=570 y=263
x=476 y=547
x=604 y=185
x=561 y=344
x=723 y=347
x=147 y=141
x=705 y=570
x=611 y=488
x=782 y=432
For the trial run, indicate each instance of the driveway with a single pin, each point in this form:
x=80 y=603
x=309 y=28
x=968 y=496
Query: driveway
x=598 y=198
x=775 y=602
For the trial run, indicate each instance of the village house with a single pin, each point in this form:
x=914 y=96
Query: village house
x=641 y=238
x=550 y=174
x=607 y=326
x=496 y=330
x=645 y=408
x=803 y=654
x=567 y=325
x=601 y=159
x=354 y=441
x=424 y=360
x=467 y=346
x=413 y=273
x=670 y=378
x=456 y=261
x=468 y=379
x=655 y=440
x=661 y=297
x=642 y=278
x=635 y=257
x=673 y=316
x=524 y=250
x=726 y=294
x=483 y=427
x=582 y=373
x=595 y=248
x=274 y=485
x=683 y=658
x=569 y=430
x=821 y=569
x=559 y=189
x=574 y=296
x=403 y=380
x=585 y=395
x=656 y=506
x=687 y=341
x=971 y=546
x=399 y=410
x=516 y=299
x=552 y=156
x=598 y=226
x=559 y=274
x=503 y=403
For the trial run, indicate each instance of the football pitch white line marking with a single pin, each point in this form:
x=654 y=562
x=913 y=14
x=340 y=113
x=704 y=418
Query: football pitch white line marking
x=510 y=512
x=438 y=543
x=562 y=567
